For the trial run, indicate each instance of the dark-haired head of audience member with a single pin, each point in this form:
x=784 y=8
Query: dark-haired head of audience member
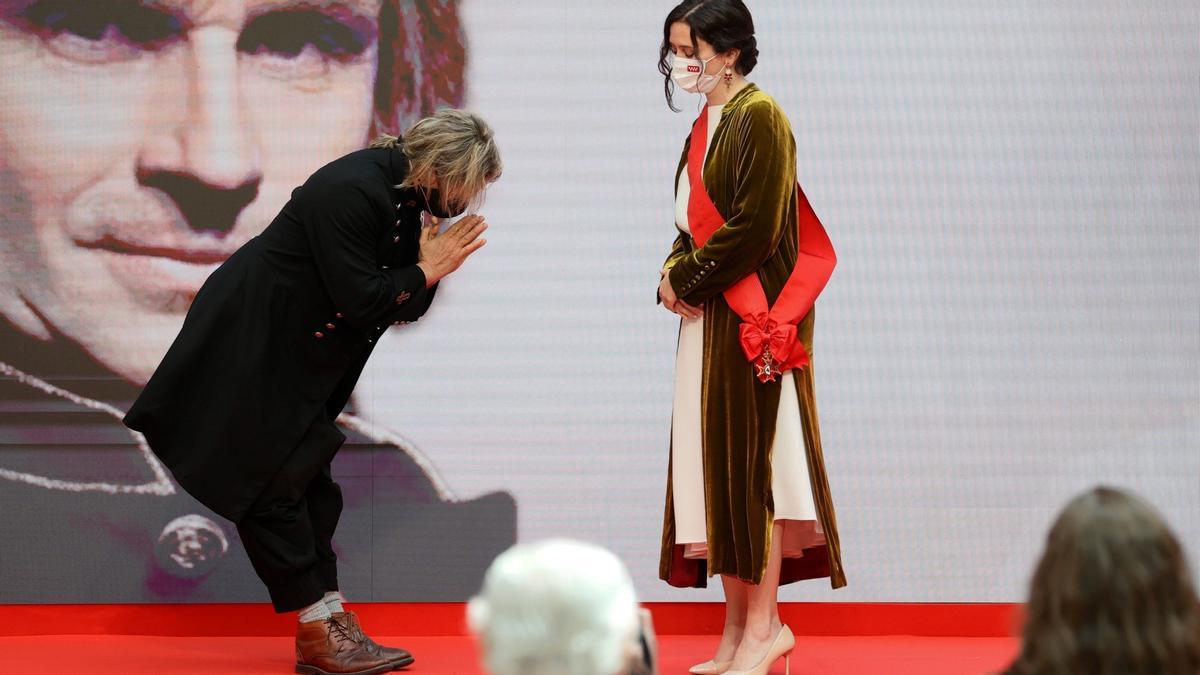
x=1112 y=594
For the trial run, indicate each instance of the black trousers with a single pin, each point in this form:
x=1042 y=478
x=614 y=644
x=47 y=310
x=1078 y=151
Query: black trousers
x=288 y=531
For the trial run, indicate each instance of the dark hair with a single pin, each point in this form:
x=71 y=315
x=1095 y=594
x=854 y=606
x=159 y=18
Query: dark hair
x=724 y=24
x=421 y=63
x=1112 y=595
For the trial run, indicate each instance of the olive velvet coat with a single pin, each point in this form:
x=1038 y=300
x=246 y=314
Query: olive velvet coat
x=750 y=174
x=278 y=335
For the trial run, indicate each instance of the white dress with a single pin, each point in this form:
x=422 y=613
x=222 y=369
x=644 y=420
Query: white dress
x=790 y=484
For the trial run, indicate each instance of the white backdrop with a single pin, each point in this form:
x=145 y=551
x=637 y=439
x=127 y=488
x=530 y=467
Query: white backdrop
x=1014 y=193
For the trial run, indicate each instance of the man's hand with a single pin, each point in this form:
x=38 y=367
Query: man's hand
x=672 y=302
x=442 y=253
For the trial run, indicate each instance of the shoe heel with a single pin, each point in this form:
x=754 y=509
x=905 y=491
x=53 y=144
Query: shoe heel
x=787 y=664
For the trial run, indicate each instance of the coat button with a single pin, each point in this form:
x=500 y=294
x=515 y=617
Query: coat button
x=397 y=223
x=340 y=315
x=396 y=239
x=318 y=334
x=330 y=326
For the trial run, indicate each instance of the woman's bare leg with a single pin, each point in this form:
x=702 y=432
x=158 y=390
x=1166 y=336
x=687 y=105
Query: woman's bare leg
x=737 y=594
x=762 y=609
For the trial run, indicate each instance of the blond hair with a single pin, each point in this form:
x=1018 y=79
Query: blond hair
x=452 y=149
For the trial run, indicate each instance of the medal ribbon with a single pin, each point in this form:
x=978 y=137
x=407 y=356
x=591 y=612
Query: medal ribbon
x=768 y=334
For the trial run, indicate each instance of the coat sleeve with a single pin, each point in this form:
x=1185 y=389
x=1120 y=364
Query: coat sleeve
x=411 y=311
x=678 y=250
x=765 y=176
x=341 y=227
x=681 y=246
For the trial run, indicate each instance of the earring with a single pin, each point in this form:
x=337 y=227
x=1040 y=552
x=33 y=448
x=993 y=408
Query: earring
x=728 y=78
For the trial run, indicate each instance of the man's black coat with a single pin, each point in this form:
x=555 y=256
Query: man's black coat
x=278 y=335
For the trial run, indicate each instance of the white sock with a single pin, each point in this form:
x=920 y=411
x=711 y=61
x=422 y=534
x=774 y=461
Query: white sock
x=333 y=600
x=314 y=612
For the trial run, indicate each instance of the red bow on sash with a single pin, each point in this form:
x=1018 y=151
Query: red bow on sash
x=773 y=347
x=768 y=334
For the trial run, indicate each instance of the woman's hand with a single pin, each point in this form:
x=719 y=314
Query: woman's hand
x=442 y=253
x=672 y=302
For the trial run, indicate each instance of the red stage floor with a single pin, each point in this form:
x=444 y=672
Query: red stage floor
x=111 y=654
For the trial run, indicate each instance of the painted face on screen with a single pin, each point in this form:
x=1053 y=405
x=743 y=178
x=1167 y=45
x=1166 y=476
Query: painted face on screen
x=141 y=142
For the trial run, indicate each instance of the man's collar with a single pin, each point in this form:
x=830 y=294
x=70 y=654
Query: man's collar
x=398 y=163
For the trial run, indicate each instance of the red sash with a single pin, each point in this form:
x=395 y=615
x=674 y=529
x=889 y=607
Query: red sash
x=768 y=335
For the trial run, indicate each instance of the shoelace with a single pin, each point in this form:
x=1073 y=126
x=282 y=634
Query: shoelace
x=342 y=632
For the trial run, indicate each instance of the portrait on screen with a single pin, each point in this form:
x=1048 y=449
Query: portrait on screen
x=141 y=143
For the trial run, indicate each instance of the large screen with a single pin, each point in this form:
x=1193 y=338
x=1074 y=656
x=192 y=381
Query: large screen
x=1013 y=191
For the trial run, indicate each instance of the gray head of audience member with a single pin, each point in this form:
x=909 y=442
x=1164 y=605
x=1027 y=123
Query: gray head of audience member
x=560 y=607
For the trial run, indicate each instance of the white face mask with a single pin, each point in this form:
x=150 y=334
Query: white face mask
x=691 y=77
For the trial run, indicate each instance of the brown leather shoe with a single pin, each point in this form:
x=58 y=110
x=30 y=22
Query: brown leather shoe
x=329 y=647
x=399 y=658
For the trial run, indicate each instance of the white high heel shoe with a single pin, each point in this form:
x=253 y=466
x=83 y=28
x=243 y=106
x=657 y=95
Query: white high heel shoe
x=783 y=645
x=710 y=667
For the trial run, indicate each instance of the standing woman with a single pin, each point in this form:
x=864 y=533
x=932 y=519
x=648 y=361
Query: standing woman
x=747 y=494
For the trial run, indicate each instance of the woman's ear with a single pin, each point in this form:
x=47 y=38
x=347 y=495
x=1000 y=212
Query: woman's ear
x=732 y=58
